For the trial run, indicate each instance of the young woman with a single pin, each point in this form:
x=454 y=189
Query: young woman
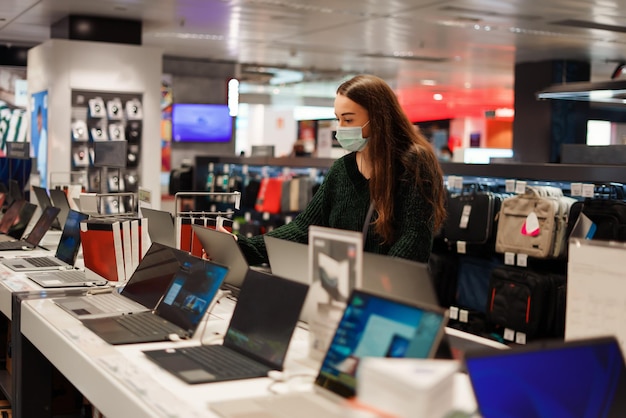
x=391 y=179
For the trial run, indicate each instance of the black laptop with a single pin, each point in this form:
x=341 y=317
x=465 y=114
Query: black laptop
x=16 y=219
x=553 y=379
x=257 y=338
x=43 y=199
x=59 y=200
x=40 y=228
x=186 y=300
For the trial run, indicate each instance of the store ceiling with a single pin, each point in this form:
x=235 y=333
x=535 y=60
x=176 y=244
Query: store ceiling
x=464 y=50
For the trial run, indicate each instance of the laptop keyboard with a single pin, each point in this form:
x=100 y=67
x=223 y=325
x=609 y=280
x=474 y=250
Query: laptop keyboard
x=71 y=276
x=223 y=362
x=147 y=324
x=112 y=303
x=10 y=245
x=44 y=262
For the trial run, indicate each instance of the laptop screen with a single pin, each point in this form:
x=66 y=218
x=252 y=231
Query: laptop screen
x=160 y=226
x=10 y=215
x=42 y=225
x=265 y=316
x=375 y=326
x=565 y=379
x=191 y=292
x=59 y=200
x=153 y=275
x=69 y=244
x=23 y=219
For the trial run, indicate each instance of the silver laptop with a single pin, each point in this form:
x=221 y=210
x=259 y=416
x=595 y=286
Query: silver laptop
x=398 y=278
x=58 y=271
x=222 y=248
x=371 y=326
x=142 y=292
x=288 y=259
x=161 y=227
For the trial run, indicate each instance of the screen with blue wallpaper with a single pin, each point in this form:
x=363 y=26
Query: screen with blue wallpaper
x=375 y=326
x=568 y=380
x=197 y=122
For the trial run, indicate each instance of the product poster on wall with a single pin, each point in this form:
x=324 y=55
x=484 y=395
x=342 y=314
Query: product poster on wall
x=39 y=133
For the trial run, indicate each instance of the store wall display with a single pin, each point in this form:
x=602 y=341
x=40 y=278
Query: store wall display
x=107 y=117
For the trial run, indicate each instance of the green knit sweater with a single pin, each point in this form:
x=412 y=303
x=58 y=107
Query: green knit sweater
x=342 y=201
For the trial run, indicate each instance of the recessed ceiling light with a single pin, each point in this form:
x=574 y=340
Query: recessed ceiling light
x=428 y=82
x=437 y=97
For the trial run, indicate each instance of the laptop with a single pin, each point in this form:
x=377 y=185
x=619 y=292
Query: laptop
x=371 y=326
x=393 y=276
x=288 y=259
x=142 y=292
x=65 y=255
x=398 y=278
x=43 y=199
x=553 y=379
x=16 y=219
x=59 y=200
x=160 y=226
x=256 y=340
x=42 y=226
x=222 y=248
x=187 y=298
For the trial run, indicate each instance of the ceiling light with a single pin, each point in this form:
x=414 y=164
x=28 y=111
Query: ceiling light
x=437 y=97
x=428 y=82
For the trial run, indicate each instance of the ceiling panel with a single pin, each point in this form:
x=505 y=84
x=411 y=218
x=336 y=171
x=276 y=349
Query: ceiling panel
x=466 y=49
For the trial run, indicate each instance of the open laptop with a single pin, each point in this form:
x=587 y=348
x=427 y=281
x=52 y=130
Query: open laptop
x=65 y=255
x=16 y=219
x=398 y=278
x=288 y=259
x=222 y=248
x=371 y=326
x=550 y=379
x=187 y=298
x=160 y=226
x=59 y=200
x=42 y=226
x=256 y=340
x=142 y=292
x=393 y=276
x=43 y=199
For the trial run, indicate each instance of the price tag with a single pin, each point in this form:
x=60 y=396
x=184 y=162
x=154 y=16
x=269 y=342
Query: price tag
x=520 y=187
x=464 y=315
x=522 y=260
x=520 y=338
x=588 y=190
x=458 y=182
x=576 y=189
x=509 y=334
x=453 y=312
x=465 y=215
x=509 y=259
x=509 y=186
x=461 y=247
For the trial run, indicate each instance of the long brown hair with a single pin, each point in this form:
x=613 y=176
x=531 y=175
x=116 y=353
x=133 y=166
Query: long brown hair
x=396 y=150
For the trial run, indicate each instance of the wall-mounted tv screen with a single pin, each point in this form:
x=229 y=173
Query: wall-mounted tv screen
x=193 y=122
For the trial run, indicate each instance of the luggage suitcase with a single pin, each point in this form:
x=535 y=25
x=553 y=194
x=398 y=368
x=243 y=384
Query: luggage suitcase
x=546 y=211
x=472 y=220
x=527 y=301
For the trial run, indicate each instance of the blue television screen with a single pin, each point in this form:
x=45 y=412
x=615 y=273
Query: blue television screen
x=201 y=123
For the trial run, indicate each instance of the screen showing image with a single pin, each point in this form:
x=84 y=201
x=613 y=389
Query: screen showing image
x=191 y=292
x=373 y=326
x=201 y=123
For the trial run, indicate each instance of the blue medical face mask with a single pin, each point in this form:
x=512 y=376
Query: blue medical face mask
x=351 y=138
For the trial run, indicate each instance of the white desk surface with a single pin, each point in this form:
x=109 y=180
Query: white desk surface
x=121 y=382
